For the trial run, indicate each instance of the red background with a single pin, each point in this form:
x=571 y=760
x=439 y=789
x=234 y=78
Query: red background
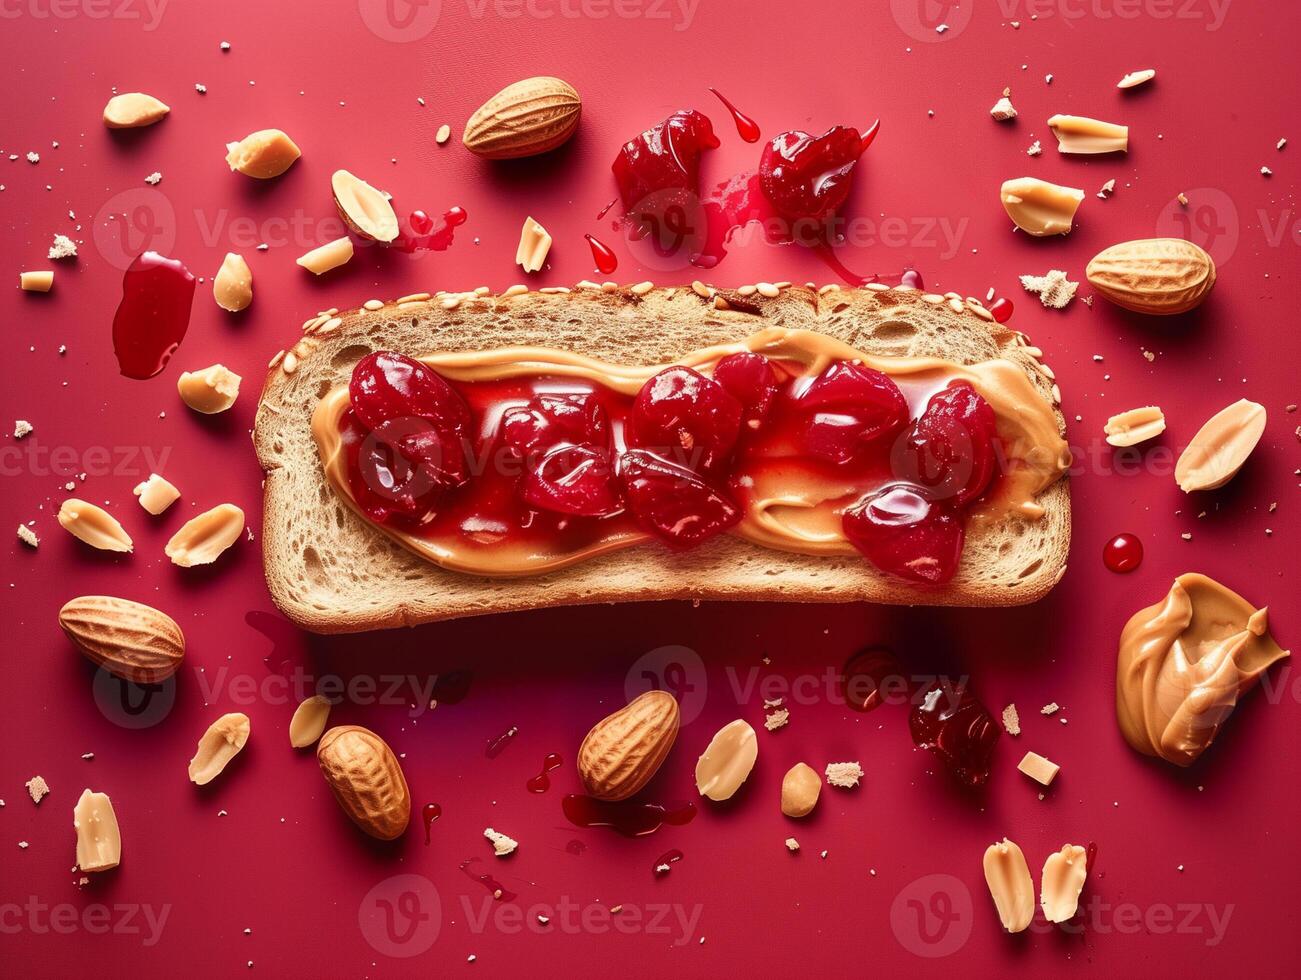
x=284 y=863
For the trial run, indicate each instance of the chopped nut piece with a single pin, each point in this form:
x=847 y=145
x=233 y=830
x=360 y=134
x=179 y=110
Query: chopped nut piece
x=41 y=281
x=1051 y=708
x=364 y=209
x=99 y=842
x=444 y=131
x=1080 y=134
x=1062 y=881
x=801 y=788
x=156 y=494
x=93 y=525
x=1034 y=149
x=1011 y=720
x=28 y=537
x=232 y=286
x=792 y=844
x=1135 y=426
x=1038 y=768
x=201 y=540
x=209 y=391
x=63 y=248
x=1039 y=208
x=1003 y=110
x=1182 y=198
x=329 y=256
x=37 y=788
x=1008 y=878
x=727 y=761
x=1054 y=289
x=534 y=244
x=222 y=741
x=133 y=109
x=263 y=155
x=845 y=775
x=501 y=844
x=1136 y=78
x=1221 y=447
x=778 y=719
x=22 y=428
x=308 y=722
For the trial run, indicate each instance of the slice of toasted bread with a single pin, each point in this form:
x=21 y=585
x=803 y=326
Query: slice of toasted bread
x=330 y=571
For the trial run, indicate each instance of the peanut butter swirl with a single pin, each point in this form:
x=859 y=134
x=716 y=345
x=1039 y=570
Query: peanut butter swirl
x=1184 y=663
x=784 y=510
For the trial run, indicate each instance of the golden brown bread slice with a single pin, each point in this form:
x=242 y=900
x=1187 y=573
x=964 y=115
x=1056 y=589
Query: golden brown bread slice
x=331 y=572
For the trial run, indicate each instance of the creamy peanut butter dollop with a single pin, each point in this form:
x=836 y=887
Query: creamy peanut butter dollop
x=1184 y=663
x=785 y=508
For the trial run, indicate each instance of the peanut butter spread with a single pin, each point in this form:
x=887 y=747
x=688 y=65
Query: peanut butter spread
x=1184 y=662
x=784 y=508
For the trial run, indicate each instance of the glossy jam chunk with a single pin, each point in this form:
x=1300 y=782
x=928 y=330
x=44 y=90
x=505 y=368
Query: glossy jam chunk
x=548 y=421
x=151 y=320
x=953 y=724
x=749 y=378
x=573 y=480
x=387 y=386
x=806 y=176
x=665 y=158
x=685 y=417
x=950 y=450
x=672 y=502
x=903 y=532
x=849 y=407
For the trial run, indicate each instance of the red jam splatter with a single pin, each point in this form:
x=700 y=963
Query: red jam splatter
x=746 y=127
x=866 y=674
x=665 y=863
x=495 y=887
x=629 y=819
x=664 y=160
x=151 y=320
x=606 y=210
x=912 y=278
x=954 y=725
x=808 y=177
x=1001 y=309
x=499 y=742
x=1123 y=553
x=422 y=234
x=1090 y=855
x=542 y=782
x=604 y=257
x=429 y=813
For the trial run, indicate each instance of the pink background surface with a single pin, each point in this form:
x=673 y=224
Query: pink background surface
x=284 y=862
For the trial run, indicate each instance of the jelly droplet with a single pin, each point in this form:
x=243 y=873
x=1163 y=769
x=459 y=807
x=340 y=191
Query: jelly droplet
x=1123 y=553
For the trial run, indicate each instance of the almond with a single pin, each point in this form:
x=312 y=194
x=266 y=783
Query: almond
x=524 y=119
x=1220 y=447
x=624 y=750
x=223 y=740
x=128 y=639
x=1160 y=276
x=365 y=210
x=366 y=779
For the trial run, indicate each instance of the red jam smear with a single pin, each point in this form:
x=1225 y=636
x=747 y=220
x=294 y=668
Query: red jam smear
x=952 y=723
x=746 y=127
x=151 y=320
x=557 y=466
x=632 y=819
x=421 y=233
x=1123 y=553
x=604 y=257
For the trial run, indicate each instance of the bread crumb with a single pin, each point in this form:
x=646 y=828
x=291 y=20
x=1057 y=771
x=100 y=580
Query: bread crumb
x=769 y=703
x=1182 y=198
x=778 y=719
x=1054 y=289
x=1107 y=189
x=1003 y=110
x=1011 y=720
x=501 y=844
x=1034 y=149
x=843 y=774
x=792 y=844
x=33 y=157
x=63 y=248
x=1051 y=708
x=21 y=428
x=1264 y=171
x=28 y=537
x=37 y=788
x=154 y=178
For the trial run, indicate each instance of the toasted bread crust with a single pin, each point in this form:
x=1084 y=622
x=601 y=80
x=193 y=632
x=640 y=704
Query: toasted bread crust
x=329 y=571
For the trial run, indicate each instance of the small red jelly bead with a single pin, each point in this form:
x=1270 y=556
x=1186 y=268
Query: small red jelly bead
x=847 y=408
x=671 y=502
x=665 y=157
x=901 y=532
x=573 y=480
x=806 y=176
x=685 y=417
x=950 y=449
x=387 y=386
x=749 y=378
x=953 y=724
x=547 y=421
